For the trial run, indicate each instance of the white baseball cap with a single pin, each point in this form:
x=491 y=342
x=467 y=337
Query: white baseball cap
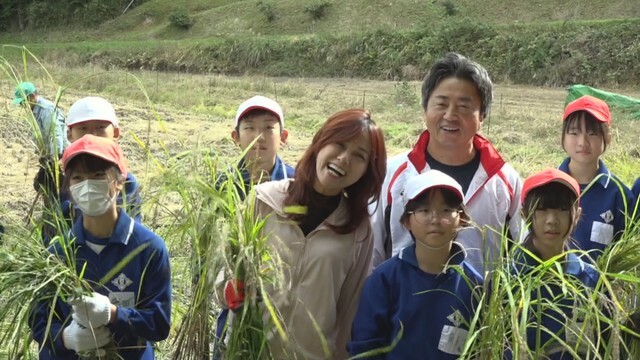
x=417 y=185
x=91 y=108
x=259 y=102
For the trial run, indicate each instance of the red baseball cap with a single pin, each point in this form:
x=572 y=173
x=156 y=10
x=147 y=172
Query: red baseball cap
x=594 y=106
x=103 y=148
x=547 y=176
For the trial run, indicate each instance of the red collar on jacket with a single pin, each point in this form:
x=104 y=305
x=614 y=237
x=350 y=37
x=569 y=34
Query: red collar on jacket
x=490 y=159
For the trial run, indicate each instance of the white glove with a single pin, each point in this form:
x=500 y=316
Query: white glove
x=94 y=310
x=79 y=338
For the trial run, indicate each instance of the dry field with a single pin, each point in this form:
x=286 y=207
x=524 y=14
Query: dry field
x=187 y=111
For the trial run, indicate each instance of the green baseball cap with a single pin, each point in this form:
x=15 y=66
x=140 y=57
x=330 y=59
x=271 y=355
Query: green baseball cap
x=22 y=91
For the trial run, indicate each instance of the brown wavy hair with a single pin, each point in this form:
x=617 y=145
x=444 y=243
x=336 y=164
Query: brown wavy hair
x=343 y=126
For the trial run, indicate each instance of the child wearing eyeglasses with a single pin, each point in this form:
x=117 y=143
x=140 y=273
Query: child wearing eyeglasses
x=424 y=297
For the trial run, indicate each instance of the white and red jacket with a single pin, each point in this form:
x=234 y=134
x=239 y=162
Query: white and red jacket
x=492 y=200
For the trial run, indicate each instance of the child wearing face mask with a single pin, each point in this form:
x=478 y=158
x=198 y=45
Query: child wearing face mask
x=428 y=291
x=96 y=116
x=132 y=308
x=607 y=203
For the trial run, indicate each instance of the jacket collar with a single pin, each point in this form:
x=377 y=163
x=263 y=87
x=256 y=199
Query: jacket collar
x=525 y=261
x=458 y=254
x=121 y=234
x=603 y=176
x=490 y=159
x=272 y=193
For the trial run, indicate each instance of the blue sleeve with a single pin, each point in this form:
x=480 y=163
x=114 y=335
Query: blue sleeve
x=635 y=190
x=47 y=128
x=371 y=328
x=60 y=131
x=623 y=221
x=132 y=198
x=151 y=318
x=51 y=341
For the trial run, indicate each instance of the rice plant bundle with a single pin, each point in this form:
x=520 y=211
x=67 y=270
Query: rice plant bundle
x=30 y=276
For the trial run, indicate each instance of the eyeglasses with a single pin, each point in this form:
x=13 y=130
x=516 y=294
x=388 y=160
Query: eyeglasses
x=424 y=216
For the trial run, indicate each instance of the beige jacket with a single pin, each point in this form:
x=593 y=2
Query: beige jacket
x=323 y=272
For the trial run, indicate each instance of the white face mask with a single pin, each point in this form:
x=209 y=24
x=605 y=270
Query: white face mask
x=92 y=196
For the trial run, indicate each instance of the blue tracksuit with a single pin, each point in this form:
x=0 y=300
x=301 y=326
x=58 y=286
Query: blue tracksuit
x=603 y=211
x=141 y=290
x=545 y=319
x=433 y=310
x=280 y=171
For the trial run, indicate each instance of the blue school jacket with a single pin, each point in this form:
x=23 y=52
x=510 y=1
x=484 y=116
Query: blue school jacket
x=141 y=290
x=603 y=212
x=433 y=310
x=545 y=320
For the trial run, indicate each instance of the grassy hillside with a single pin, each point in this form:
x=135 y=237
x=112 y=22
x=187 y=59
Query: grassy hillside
x=214 y=18
x=229 y=17
x=541 y=43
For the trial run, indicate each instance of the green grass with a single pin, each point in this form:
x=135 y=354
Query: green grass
x=238 y=18
x=193 y=113
x=149 y=21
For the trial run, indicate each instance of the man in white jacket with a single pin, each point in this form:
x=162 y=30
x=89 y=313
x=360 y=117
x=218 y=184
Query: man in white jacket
x=456 y=98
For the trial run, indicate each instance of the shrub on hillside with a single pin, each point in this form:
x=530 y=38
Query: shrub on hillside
x=317 y=10
x=41 y=15
x=96 y=11
x=449 y=8
x=268 y=10
x=180 y=19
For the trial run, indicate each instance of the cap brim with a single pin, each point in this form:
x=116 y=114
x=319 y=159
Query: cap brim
x=87 y=120
x=258 y=107
x=597 y=115
x=93 y=153
x=17 y=101
x=565 y=183
x=547 y=182
x=450 y=188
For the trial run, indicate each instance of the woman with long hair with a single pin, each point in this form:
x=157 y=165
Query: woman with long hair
x=326 y=244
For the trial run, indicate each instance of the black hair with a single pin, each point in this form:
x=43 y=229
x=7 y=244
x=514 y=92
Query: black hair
x=553 y=195
x=458 y=66
x=254 y=113
x=90 y=163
